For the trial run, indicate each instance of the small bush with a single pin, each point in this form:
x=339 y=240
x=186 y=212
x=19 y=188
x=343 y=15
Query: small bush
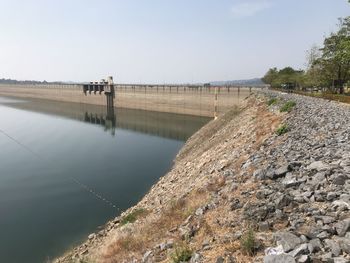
x=182 y=253
x=282 y=129
x=272 y=101
x=132 y=217
x=288 y=106
x=248 y=242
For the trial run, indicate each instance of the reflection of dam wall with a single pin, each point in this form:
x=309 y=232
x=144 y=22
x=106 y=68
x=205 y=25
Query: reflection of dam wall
x=167 y=125
x=191 y=100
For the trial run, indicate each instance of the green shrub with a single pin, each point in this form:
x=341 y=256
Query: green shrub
x=288 y=106
x=248 y=242
x=182 y=253
x=282 y=129
x=132 y=216
x=272 y=101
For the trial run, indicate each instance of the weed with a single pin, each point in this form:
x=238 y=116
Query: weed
x=182 y=253
x=288 y=106
x=282 y=129
x=272 y=101
x=248 y=242
x=132 y=216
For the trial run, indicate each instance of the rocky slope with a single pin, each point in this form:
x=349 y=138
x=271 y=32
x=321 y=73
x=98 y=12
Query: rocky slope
x=240 y=192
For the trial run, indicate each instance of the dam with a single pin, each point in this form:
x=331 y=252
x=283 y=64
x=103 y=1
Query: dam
x=198 y=100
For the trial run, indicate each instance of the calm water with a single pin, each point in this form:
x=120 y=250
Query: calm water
x=119 y=154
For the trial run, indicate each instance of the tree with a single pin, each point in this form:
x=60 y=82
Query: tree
x=312 y=55
x=335 y=60
x=286 y=76
x=271 y=75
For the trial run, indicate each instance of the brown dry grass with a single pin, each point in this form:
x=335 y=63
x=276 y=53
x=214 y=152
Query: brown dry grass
x=153 y=229
x=216 y=184
x=208 y=133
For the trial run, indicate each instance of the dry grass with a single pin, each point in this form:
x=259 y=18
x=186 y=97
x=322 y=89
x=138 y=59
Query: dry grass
x=154 y=229
x=344 y=98
x=207 y=133
x=216 y=184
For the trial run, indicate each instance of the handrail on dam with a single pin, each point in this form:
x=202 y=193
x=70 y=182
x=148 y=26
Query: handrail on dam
x=198 y=100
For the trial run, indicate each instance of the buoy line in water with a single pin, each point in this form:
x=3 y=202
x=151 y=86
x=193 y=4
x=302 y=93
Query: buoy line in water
x=76 y=181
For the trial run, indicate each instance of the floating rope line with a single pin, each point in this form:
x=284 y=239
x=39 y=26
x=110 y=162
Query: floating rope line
x=84 y=186
x=20 y=144
x=76 y=181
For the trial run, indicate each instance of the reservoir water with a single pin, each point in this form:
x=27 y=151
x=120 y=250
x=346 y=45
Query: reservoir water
x=53 y=153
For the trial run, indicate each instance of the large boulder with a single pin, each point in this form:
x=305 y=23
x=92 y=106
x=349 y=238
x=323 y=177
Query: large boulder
x=287 y=240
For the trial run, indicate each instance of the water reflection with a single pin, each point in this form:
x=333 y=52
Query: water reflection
x=166 y=125
x=108 y=121
x=43 y=211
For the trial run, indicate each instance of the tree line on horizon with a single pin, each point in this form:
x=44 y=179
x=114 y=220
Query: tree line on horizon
x=328 y=67
x=13 y=81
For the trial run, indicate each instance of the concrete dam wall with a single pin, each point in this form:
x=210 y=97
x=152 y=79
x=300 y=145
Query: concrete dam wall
x=191 y=100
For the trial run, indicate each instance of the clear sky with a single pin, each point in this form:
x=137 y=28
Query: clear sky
x=158 y=41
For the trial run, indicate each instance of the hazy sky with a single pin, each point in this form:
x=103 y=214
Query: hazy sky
x=159 y=40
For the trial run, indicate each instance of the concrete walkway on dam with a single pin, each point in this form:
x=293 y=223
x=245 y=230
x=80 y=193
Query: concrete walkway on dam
x=190 y=100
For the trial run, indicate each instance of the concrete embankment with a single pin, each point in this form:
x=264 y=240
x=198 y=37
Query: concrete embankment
x=198 y=101
x=269 y=182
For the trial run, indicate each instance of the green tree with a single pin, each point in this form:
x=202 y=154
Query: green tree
x=286 y=76
x=313 y=75
x=270 y=76
x=335 y=60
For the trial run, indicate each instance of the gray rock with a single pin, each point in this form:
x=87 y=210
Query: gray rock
x=341 y=205
x=146 y=257
x=323 y=235
x=220 y=260
x=342 y=227
x=331 y=196
x=285 y=258
x=333 y=246
x=236 y=204
x=318 y=166
x=302 y=249
x=303 y=259
x=199 y=212
x=92 y=236
x=196 y=258
x=166 y=245
x=228 y=173
x=282 y=171
x=315 y=245
x=290 y=181
x=264 y=226
x=327 y=257
x=325 y=219
x=344 y=244
x=287 y=240
x=339 y=179
x=259 y=174
x=340 y=260
x=345 y=197
x=282 y=201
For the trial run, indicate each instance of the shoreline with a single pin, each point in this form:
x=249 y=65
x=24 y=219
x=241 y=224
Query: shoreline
x=240 y=192
x=149 y=200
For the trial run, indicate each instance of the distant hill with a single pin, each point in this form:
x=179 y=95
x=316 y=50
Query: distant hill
x=242 y=82
x=13 y=81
